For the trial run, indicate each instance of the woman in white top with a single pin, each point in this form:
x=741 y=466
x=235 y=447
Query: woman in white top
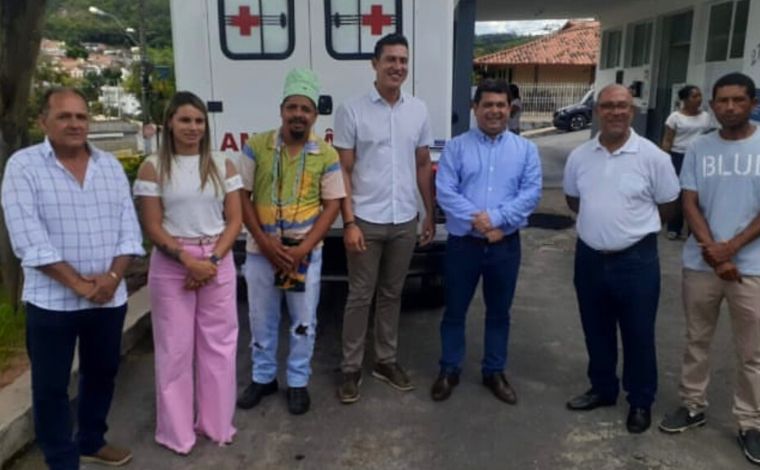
x=190 y=210
x=681 y=128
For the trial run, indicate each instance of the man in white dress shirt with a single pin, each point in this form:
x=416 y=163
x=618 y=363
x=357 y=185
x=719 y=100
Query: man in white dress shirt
x=382 y=138
x=622 y=186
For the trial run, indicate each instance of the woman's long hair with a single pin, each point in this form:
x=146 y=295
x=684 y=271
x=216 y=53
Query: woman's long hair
x=166 y=151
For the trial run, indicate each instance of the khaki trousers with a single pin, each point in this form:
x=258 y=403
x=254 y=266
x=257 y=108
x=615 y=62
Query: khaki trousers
x=381 y=269
x=703 y=293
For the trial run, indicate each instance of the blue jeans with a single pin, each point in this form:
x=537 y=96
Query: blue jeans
x=622 y=289
x=467 y=259
x=51 y=337
x=264 y=302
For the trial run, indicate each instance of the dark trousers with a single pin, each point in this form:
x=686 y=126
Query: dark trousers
x=620 y=289
x=51 y=337
x=467 y=259
x=676 y=223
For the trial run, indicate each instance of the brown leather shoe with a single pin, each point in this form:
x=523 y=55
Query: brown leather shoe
x=109 y=455
x=443 y=386
x=500 y=388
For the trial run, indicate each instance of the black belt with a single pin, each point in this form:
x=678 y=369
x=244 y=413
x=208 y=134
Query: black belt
x=484 y=241
x=648 y=238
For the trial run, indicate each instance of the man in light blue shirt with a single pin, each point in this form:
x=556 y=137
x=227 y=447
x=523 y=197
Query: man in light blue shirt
x=721 y=200
x=488 y=183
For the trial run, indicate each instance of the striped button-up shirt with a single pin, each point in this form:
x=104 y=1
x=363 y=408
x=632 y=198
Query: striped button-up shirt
x=52 y=218
x=500 y=176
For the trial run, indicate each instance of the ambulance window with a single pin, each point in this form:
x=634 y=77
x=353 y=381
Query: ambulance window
x=256 y=29
x=352 y=27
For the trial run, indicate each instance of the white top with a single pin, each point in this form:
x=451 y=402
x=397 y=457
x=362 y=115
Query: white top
x=619 y=192
x=188 y=211
x=687 y=128
x=385 y=138
x=726 y=176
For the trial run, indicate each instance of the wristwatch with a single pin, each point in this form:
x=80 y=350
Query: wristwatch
x=214 y=259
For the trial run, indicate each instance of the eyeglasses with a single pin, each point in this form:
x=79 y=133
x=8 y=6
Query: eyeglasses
x=614 y=105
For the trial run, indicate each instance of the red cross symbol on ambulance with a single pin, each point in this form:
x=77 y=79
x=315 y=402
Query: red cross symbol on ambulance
x=245 y=21
x=376 y=20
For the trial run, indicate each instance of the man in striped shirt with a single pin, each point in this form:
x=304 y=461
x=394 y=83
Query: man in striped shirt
x=72 y=224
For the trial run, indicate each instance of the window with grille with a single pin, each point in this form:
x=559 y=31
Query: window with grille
x=352 y=27
x=256 y=29
x=727 y=31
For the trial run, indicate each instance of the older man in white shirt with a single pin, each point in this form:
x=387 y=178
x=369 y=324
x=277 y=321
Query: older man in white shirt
x=382 y=138
x=622 y=186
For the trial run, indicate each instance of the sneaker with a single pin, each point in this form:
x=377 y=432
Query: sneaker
x=393 y=375
x=348 y=391
x=680 y=420
x=298 y=400
x=108 y=455
x=749 y=441
x=254 y=392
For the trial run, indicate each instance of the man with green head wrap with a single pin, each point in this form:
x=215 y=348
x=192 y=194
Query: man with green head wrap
x=292 y=190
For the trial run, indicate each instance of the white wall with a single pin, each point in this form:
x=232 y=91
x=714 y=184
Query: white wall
x=700 y=73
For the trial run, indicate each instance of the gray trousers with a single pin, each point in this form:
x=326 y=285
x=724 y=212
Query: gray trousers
x=382 y=268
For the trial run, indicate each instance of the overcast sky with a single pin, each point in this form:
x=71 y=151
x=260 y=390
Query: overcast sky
x=518 y=27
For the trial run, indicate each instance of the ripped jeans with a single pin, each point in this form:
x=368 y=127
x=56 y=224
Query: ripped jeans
x=264 y=307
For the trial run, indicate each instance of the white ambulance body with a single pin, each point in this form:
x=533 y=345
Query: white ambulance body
x=235 y=54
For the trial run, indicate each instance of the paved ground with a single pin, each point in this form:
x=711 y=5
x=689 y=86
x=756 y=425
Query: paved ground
x=387 y=429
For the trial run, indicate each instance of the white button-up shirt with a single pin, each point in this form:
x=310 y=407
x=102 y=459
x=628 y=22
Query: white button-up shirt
x=385 y=138
x=619 y=192
x=52 y=218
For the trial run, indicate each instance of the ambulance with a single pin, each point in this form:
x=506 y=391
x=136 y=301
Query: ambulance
x=235 y=54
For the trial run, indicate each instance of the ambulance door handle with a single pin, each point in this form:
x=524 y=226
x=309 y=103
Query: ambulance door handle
x=325 y=105
x=214 y=106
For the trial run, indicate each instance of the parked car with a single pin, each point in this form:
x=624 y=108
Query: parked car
x=576 y=116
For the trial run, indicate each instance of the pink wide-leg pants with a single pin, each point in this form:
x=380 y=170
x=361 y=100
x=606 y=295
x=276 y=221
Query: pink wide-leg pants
x=195 y=339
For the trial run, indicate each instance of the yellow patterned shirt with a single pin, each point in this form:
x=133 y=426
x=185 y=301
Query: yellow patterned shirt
x=287 y=190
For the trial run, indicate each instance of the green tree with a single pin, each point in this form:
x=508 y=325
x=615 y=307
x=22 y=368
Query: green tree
x=70 y=20
x=20 y=36
x=76 y=50
x=162 y=84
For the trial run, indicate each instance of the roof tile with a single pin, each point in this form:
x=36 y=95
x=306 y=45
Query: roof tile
x=577 y=43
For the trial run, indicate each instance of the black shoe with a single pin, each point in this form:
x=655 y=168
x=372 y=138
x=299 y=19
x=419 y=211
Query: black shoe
x=680 y=420
x=393 y=375
x=638 y=420
x=500 y=387
x=298 y=400
x=443 y=386
x=749 y=441
x=589 y=401
x=254 y=392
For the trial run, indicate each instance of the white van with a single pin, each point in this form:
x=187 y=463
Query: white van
x=235 y=54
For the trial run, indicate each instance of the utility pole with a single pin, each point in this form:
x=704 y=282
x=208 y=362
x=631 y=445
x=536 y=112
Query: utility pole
x=144 y=76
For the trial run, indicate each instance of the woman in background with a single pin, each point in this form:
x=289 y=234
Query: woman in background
x=190 y=210
x=515 y=108
x=681 y=128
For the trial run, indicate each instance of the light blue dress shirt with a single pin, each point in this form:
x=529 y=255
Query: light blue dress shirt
x=500 y=175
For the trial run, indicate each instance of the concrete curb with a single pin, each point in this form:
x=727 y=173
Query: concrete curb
x=538 y=132
x=16 y=425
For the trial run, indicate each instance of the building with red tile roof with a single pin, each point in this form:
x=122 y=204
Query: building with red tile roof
x=568 y=55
